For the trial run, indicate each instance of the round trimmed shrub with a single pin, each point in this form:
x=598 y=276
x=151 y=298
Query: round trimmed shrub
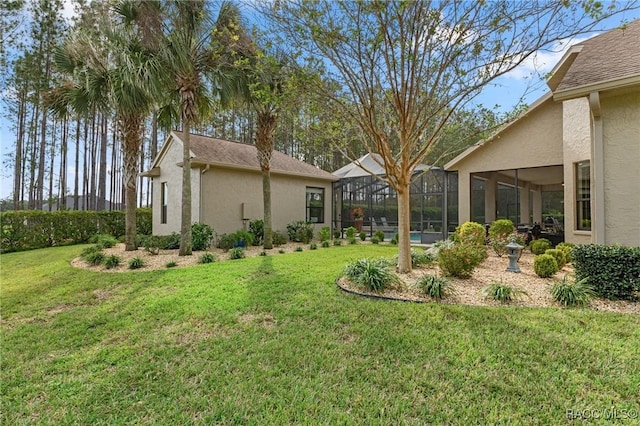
x=539 y=246
x=236 y=253
x=379 y=235
x=558 y=255
x=545 y=265
x=566 y=249
x=459 y=260
x=470 y=233
x=501 y=228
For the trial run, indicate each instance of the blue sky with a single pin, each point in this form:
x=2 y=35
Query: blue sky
x=525 y=82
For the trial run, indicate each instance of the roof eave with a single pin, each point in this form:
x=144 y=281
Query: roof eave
x=580 y=91
x=196 y=163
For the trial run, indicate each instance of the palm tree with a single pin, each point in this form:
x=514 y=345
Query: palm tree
x=111 y=72
x=198 y=57
x=266 y=76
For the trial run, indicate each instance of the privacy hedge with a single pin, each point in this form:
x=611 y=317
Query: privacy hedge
x=612 y=271
x=32 y=229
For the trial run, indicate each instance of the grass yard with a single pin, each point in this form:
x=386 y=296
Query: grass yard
x=271 y=340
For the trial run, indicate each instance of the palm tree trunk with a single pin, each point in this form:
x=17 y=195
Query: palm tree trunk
x=130 y=128
x=185 y=225
x=267 y=121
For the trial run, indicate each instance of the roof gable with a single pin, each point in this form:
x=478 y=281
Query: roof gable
x=612 y=56
x=224 y=153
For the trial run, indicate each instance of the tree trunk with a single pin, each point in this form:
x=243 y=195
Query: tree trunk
x=17 y=175
x=404 y=235
x=130 y=129
x=185 y=224
x=76 y=179
x=102 y=174
x=62 y=183
x=267 y=122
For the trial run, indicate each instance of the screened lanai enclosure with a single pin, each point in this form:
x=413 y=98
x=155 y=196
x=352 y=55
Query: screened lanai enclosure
x=362 y=186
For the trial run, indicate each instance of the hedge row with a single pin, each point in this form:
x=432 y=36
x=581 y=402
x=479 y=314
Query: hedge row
x=612 y=271
x=32 y=229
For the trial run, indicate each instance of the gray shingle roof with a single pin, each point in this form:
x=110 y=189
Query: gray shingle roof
x=609 y=56
x=222 y=152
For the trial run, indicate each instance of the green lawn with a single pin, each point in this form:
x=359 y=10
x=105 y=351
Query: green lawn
x=271 y=340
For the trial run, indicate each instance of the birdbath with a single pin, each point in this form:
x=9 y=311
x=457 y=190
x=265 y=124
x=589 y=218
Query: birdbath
x=513 y=253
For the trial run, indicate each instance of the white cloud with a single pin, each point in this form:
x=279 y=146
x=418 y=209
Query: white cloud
x=543 y=61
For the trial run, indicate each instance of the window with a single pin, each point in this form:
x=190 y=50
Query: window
x=164 y=196
x=583 y=196
x=315 y=205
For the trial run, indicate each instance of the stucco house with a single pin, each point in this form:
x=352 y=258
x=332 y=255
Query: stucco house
x=227 y=187
x=577 y=147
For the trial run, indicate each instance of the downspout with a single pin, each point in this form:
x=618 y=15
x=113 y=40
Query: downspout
x=597 y=170
x=200 y=204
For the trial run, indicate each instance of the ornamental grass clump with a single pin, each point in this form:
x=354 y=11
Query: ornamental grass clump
x=112 y=261
x=572 y=293
x=372 y=274
x=420 y=258
x=501 y=292
x=136 y=263
x=545 y=265
x=435 y=287
x=236 y=253
x=207 y=258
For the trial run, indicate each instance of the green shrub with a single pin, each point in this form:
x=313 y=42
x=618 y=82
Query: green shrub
x=201 y=236
x=152 y=243
x=566 y=249
x=470 y=233
x=324 y=234
x=501 y=228
x=362 y=235
x=112 y=261
x=350 y=232
x=539 y=246
x=353 y=240
x=281 y=251
x=501 y=292
x=263 y=253
x=90 y=250
x=242 y=238
x=279 y=238
x=136 y=263
x=325 y=244
x=171 y=264
x=95 y=258
x=460 y=259
x=300 y=231
x=299 y=248
x=226 y=242
x=379 y=235
x=207 y=257
x=612 y=271
x=545 y=265
x=394 y=241
x=313 y=246
x=435 y=287
x=572 y=293
x=375 y=240
x=256 y=229
x=500 y=233
x=373 y=275
x=236 y=253
x=420 y=257
x=337 y=242
x=104 y=241
x=336 y=234
x=558 y=255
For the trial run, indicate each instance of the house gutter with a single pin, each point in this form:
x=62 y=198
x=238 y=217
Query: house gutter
x=597 y=171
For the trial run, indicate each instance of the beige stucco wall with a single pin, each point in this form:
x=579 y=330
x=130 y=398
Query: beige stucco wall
x=226 y=190
x=576 y=130
x=172 y=174
x=621 y=126
x=534 y=141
